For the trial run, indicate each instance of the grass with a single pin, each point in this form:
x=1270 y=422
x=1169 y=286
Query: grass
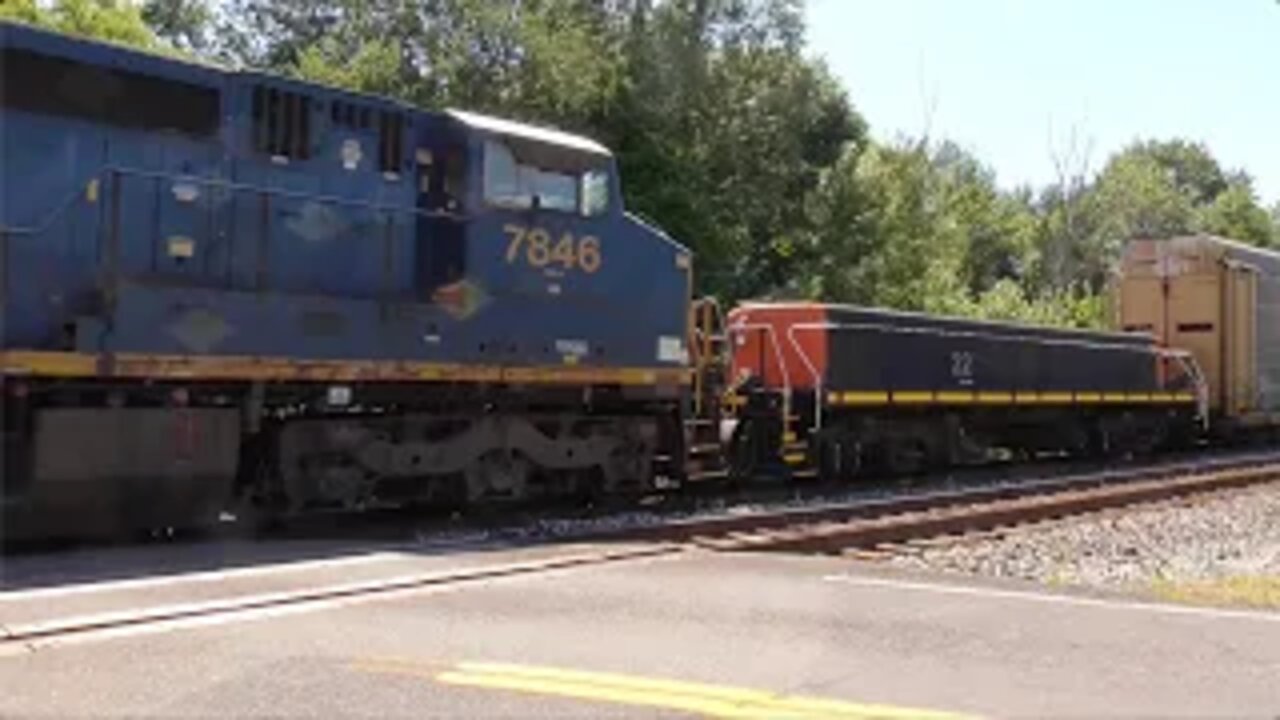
x=1252 y=591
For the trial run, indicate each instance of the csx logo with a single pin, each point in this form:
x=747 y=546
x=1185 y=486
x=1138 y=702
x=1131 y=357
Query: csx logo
x=536 y=247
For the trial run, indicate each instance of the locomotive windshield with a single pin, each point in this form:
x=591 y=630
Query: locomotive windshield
x=523 y=174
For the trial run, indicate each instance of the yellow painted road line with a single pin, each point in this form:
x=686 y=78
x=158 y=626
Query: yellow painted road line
x=955 y=397
x=712 y=701
x=715 y=701
x=706 y=707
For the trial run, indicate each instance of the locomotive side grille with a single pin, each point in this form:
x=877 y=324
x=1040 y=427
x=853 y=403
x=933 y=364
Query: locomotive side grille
x=281 y=123
x=49 y=85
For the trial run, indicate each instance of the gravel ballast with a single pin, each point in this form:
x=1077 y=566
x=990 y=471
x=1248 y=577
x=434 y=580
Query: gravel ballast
x=1137 y=549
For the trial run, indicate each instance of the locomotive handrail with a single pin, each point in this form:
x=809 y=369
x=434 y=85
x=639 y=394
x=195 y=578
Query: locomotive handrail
x=120 y=170
x=700 y=343
x=1192 y=369
x=777 y=352
x=282 y=192
x=808 y=364
x=696 y=307
x=52 y=216
x=988 y=336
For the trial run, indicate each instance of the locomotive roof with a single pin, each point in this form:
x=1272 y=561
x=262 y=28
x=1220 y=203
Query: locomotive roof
x=156 y=61
x=512 y=128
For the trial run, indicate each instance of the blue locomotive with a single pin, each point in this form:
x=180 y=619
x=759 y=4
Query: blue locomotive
x=224 y=284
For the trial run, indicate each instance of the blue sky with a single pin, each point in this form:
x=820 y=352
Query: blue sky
x=1009 y=80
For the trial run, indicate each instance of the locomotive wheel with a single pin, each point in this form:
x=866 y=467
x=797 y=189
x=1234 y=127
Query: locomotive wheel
x=255 y=518
x=839 y=459
x=498 y=475
x=629 y=468
x=901 y=456
x=743 y=454
x=1105 y=445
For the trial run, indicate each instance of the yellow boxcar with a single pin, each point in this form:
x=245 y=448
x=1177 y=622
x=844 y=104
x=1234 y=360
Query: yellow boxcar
x=1220 y=300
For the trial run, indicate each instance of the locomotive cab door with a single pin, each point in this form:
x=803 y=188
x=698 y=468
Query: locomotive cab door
x=440 y=172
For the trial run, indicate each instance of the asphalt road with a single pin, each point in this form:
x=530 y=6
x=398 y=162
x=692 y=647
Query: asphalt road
x=687 y=635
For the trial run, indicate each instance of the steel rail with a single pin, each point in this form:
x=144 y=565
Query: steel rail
x=1036 y=507
x=902 y=517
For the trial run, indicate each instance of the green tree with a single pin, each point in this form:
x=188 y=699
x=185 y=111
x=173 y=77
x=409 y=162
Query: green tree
x=922 y=226
x=113 y=20
x=886 y=221
x=184 y=24
x=25 y=11
x=1194 y=170
x=542 y=61
x=722 y=128
x=1148 y=189
x=1236 y=213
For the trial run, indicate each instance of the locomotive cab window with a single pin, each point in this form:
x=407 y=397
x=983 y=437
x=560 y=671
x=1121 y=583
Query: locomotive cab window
x=441 y=178
x=529 y=175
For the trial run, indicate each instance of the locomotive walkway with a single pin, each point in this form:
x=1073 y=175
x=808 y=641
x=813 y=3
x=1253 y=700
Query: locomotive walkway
x=690 y=634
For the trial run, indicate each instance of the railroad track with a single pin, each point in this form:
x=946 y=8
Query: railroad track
x=712 y=503
x=828 y=528
x=841 y=528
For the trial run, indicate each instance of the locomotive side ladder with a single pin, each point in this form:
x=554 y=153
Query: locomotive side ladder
x=709 y=360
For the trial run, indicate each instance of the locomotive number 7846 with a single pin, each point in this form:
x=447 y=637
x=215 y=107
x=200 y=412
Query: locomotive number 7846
x=536 y=247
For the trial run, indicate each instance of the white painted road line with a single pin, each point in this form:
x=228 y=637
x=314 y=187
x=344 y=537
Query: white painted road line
x=19 y=639
x=202 y=576
x=24 y=647
x=1049 y=598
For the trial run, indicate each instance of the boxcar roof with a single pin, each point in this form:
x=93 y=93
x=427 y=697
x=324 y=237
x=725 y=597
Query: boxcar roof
x=1264 y=256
